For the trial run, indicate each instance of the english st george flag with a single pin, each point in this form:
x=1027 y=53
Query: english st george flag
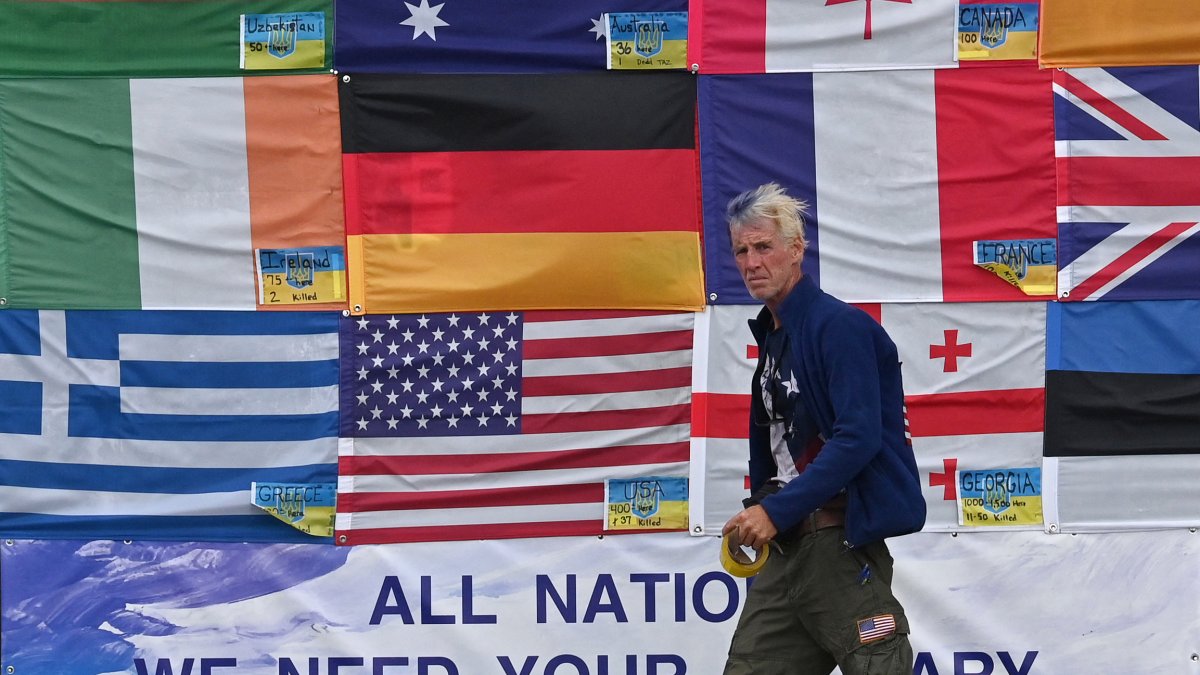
x=1128 y=148
x=973 y=381
x=154 y=193
x=153 y=425
x=903 y=170
x=496 y=425
x=492 y=192
x=1123 y=414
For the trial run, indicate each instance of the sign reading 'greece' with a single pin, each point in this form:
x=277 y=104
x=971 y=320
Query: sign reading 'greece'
x=308 y=507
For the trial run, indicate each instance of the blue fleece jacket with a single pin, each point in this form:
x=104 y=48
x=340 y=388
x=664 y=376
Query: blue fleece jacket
x=850 y=393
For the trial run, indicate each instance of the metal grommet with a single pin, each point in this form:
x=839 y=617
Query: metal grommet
x=357 y=309
x=345 y=78
x=712 y=297
x=342 y=539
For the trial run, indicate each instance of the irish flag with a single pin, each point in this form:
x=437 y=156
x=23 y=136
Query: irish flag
x=155 y=194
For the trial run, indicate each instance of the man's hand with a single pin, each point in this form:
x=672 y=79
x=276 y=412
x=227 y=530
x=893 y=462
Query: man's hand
x=751 y=527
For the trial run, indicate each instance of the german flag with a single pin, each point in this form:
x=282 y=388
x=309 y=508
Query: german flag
x=488 y=192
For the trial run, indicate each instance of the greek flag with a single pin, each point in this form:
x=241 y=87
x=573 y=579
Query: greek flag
x=139 y=424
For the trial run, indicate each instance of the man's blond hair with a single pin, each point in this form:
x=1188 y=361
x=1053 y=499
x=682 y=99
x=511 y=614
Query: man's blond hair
x=770 y=201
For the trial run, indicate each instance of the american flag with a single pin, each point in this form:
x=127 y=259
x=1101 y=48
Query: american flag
x=876 y=628
x=505 y=424
x=1128 y=149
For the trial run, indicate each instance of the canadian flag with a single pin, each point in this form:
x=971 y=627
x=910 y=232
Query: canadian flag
x=974 y=382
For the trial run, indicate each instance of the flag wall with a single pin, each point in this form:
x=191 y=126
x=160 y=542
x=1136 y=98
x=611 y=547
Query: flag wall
x=1118 y=33
x=902 y=171
x=479 y=36
x=508 y=424
x=153 y=424
x=484 y=192
x=1128 y=147
x=127 y=194
x=773 y=36
x=1123 y=414
x=136 y=38
x=974 y=392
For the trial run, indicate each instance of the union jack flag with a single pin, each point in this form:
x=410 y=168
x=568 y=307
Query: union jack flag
x=1128 y=151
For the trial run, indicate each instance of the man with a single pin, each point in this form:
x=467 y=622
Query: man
x=832 y=473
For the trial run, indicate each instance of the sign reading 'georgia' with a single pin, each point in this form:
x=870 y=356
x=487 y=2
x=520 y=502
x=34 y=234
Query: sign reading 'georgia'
x=1004 y=497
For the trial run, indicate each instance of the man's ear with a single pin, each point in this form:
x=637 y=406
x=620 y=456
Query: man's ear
x=797 y=251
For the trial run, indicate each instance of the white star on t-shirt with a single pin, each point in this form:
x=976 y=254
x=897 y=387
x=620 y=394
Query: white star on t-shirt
x=424 y=19
x=790 y=384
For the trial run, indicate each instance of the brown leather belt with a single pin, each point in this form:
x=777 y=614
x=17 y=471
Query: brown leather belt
x=822 y=519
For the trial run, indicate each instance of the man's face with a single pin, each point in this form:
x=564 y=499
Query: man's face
x=769 y=265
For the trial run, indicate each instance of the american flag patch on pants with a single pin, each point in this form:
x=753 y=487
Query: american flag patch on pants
x=876 y=628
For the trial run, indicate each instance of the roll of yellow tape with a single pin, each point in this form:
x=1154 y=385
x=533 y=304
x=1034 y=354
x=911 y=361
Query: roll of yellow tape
x=736 y=562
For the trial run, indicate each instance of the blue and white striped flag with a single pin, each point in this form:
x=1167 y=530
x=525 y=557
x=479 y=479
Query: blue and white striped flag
x=132 y=424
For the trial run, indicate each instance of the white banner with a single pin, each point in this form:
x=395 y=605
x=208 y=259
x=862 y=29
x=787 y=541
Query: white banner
x=986 y=603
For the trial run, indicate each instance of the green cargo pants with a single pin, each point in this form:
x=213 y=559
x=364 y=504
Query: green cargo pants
x=817 y=604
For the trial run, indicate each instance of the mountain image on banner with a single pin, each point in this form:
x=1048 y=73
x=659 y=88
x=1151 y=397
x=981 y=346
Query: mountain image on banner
x=1128 y=148
x=902 y=170
x=776 y=36
x=974 y=393
x=494 y=192
x=144 y=38
x=153 y=425
x=478 y=36
x=497 y=425
x=155 y=193
x=1123 y=414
